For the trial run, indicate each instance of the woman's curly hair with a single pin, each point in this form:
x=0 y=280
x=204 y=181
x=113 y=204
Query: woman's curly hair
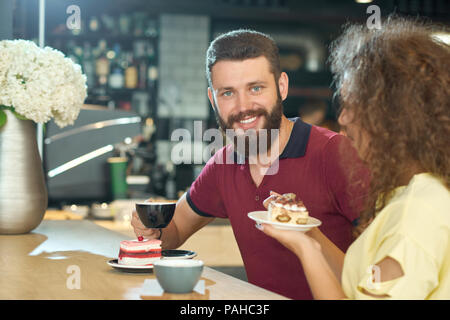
x=396 y=81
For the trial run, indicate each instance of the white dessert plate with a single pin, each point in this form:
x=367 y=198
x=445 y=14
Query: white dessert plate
x=165 y=254
x=263 y=217
x=128 y=268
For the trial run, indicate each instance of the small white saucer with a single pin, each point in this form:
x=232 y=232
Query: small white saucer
x=128 y=268
x=263 y=217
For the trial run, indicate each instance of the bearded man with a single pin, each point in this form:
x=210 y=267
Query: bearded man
x=246 y=90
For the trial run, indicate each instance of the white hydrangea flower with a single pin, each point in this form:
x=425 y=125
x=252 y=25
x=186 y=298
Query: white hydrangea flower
x=40 y=83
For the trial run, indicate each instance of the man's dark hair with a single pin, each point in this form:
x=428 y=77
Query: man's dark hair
x=240 y=45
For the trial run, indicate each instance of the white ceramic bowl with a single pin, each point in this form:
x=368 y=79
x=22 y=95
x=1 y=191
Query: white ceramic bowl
x=178 y=275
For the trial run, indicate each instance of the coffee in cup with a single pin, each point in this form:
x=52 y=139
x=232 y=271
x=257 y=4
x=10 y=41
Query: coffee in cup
x=156 y=214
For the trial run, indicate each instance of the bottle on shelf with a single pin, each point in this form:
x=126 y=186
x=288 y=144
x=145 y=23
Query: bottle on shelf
x=151 y=29
x=139 y=52
x=109 y=24
x=142 y=74
x=116 y=78
x=124 y=24
x=131 y=73
x=102 y=64
x=94 y=24
x=139 y=23
x=152 y=69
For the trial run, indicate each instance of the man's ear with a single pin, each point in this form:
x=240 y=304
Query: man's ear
x=211 y=97
x=283 y=85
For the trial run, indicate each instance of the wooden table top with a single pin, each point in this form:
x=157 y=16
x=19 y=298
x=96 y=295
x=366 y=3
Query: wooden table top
x=44 y=264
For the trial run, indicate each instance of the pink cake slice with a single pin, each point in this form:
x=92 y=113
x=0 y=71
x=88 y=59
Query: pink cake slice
x=139 y=253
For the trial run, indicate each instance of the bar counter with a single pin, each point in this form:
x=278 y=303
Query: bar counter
x=43 y=264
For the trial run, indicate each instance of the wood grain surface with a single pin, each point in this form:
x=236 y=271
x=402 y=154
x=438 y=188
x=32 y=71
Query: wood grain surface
x=47 y=264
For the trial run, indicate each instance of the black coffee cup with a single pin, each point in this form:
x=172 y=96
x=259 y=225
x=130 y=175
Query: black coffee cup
x=156 y=214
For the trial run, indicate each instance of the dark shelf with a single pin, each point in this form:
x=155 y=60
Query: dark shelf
x=122 y=91
x=100 y=35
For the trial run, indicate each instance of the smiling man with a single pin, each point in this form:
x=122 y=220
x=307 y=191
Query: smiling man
x=246 y=90
x=250 y=100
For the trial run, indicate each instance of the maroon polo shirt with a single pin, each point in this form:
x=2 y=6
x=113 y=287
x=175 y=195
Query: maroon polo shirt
x=314 y=165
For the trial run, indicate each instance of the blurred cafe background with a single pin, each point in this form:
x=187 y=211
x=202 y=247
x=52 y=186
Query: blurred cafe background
x=145 y=66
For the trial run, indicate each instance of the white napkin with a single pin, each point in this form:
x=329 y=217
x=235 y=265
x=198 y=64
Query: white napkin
x=151 y=287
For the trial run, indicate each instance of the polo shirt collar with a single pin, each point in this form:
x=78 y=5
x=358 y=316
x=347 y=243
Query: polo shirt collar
x=296 y=146
x=298 y=141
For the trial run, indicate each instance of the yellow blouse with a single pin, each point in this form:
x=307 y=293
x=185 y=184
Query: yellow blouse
x=414 y=229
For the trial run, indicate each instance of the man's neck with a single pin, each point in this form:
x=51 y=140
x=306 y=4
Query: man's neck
x=278 y=144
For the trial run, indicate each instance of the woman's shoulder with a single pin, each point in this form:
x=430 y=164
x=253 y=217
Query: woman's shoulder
x=428 y=194
x=420 y=212
x=417 y=210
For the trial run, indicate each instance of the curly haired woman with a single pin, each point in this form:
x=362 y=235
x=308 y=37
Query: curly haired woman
x=394 y=88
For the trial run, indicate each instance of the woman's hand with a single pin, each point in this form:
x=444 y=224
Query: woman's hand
x=293 y=240
x=298 y=242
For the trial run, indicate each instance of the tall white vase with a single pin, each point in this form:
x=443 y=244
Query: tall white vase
x=23 y=194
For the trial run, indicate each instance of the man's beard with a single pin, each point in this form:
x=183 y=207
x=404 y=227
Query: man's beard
x=252 y=142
